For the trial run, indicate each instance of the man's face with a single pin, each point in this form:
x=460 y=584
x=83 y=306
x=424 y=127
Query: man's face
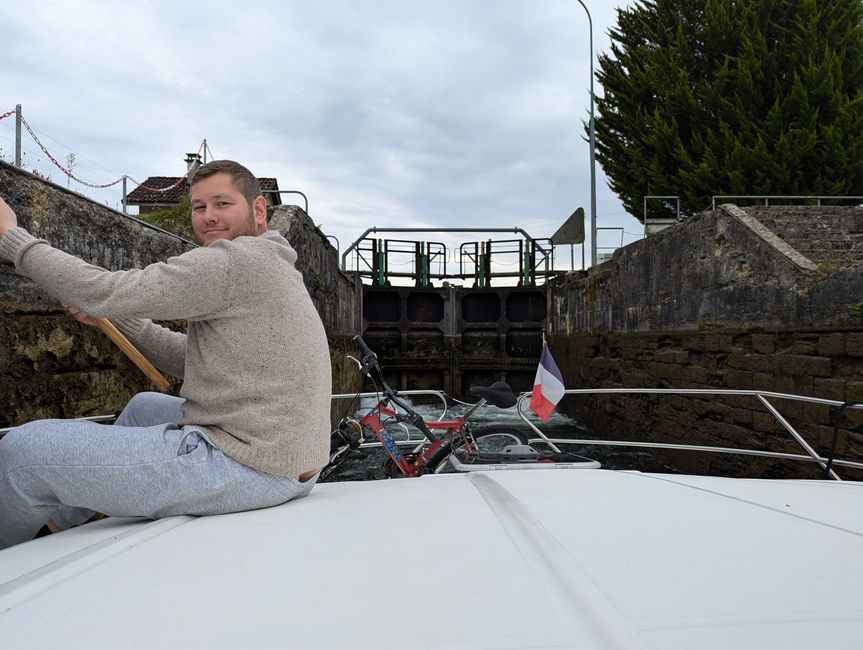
x=220 y=211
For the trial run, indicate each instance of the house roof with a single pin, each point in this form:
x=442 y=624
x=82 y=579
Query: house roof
x=146 y=193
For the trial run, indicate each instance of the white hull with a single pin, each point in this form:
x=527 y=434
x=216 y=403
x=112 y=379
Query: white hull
x=570 y=558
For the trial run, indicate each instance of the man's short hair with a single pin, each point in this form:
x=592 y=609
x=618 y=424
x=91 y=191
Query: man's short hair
x=242 y=178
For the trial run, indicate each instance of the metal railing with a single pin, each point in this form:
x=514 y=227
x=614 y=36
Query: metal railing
x=412 y=439
x=670 y=197
x=379 y=259
x=476 y=259
x=603 y=249
x=305 y=198
x=762 y=396
x=765 y=199
x=372 y=257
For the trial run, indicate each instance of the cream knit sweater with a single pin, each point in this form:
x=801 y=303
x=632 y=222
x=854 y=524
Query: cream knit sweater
x=255 y=363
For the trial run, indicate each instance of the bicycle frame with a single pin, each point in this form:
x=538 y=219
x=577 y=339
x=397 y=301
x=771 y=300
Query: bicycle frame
x=424 y=460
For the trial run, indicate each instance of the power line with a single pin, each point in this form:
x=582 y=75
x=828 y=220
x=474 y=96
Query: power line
x=68 y=171
x=78 y=156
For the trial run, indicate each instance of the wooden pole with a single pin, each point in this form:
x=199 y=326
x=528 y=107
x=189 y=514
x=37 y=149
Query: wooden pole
x=132 y=352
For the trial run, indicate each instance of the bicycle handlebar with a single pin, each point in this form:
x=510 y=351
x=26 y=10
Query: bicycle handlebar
x=371 y=368
x=364 y=348
x=369 y=361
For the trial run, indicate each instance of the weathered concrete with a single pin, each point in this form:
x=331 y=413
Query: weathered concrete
x=52 y=366
x=832 y=237
x=720 y=301
x=711 y=271
x=336 y=294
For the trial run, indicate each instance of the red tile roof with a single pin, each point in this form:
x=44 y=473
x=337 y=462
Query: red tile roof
x=143 y=195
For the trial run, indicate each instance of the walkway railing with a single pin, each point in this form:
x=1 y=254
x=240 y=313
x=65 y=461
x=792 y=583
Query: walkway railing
x=381 y=260
x=766 y=199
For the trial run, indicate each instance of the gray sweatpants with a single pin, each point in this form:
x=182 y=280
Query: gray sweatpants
x=144 y=465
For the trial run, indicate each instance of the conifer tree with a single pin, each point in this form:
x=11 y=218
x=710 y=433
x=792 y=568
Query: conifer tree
x=732 y=97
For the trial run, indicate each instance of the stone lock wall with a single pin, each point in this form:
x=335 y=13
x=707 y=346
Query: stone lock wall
x=816 y=363
x=714 y=303
x=52 y=366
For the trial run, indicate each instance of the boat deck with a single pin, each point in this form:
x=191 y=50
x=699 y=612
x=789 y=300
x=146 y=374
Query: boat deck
x=585 y=558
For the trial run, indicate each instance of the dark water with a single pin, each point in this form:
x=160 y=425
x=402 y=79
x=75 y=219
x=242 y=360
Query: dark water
x=366 y=463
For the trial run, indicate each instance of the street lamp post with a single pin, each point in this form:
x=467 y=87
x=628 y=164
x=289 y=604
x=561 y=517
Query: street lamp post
x=592 y=148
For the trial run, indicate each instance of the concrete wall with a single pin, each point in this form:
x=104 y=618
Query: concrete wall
x=715 y=302
x=717 y=269
x=336 y=294
x=52 y=366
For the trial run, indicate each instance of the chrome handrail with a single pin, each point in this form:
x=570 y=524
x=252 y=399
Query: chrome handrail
x=435 y=393
x=719 y=450
x=761 y=396
x=402 y=393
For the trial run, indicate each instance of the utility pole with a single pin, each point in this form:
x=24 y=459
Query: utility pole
x=18 y=135
x=592 y=132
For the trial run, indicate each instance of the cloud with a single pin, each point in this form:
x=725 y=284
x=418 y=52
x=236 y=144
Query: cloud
x=384 y=112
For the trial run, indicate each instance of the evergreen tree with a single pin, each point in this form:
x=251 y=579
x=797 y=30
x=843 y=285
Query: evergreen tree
x=732 y=97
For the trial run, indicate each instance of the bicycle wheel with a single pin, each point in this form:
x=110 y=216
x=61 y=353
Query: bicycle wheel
x=491 y=438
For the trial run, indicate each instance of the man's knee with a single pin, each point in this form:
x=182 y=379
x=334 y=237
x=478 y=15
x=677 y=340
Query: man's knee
x=148 y=409
x=39 y=443
x=18 y=447
x=142 y=400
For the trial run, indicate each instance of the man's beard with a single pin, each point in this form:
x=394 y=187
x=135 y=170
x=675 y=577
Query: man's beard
x=250 y=228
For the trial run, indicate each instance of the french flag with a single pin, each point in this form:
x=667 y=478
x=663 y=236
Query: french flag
x=547 y=387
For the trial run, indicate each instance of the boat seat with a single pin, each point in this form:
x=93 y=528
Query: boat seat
x=498 y=394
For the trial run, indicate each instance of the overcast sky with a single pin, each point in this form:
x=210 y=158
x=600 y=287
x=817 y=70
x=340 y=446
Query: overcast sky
x=414 y=113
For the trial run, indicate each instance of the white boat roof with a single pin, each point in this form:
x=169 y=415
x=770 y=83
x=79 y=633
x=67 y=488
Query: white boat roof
x=507 y=559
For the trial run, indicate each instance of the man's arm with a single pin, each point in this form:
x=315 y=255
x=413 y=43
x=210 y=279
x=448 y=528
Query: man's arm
x=163 y=347
x=191 y=286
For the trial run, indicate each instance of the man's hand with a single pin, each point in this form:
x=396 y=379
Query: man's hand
x=79 y=315
x=8 y=220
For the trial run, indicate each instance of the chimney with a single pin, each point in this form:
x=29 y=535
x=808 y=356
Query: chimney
x=193 y=161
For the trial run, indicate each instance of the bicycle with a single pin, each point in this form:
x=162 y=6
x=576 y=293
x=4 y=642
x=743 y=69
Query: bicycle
x=442 y=438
